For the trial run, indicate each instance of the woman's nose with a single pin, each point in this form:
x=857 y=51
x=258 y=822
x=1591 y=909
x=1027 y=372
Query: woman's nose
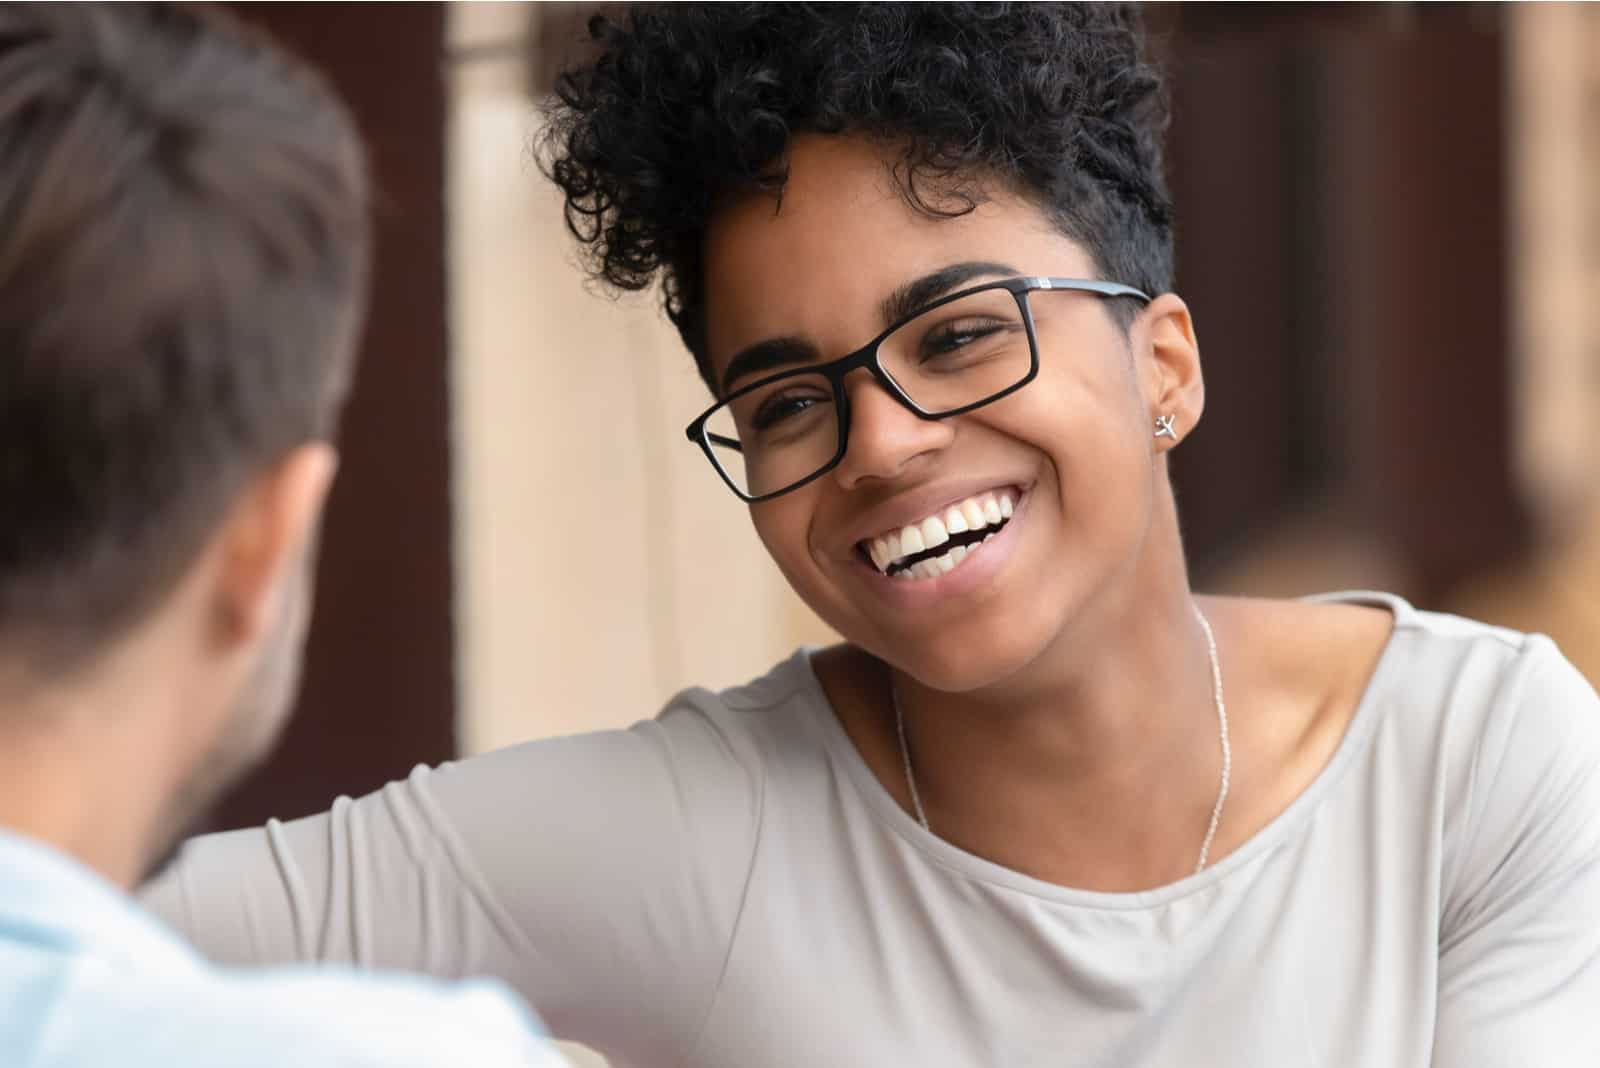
x=886 y=437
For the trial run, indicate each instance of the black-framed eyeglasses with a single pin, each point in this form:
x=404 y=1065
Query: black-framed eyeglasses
x=961 y=352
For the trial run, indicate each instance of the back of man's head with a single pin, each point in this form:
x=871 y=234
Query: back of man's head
x=184 y=247
x=183 y=242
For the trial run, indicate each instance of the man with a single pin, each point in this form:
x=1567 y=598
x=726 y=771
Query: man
x=183 y=253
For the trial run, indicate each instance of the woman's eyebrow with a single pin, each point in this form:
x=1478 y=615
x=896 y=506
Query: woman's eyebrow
x=910 y=297
x=765 y=356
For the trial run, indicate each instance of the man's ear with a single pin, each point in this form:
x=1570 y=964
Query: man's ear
x=1170 y=377
x=268 y=530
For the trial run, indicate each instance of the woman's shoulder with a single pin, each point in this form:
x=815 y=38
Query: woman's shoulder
x=1429 y=687
x=1490 y=732
x=788 y=681
x=1511 y=708
x=713 y=750
x=1502 y=734
x=773 y=716
x=1382 y=642
x=1473 y=700
x=1462 y=661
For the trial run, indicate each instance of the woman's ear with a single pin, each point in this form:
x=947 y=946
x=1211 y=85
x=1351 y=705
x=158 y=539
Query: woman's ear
x=1169 y=373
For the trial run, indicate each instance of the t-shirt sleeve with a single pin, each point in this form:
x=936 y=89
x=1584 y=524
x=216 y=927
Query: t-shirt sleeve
x=1519 y=956
x=601 y=876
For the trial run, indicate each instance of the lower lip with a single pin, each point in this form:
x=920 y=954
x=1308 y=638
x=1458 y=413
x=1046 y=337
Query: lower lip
x=976 y=571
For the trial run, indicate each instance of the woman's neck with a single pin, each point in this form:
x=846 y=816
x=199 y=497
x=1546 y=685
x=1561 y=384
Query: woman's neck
x=1098 y=764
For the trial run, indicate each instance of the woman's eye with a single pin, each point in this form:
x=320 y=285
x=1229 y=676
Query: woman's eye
x=776 y=409
x=953 y=338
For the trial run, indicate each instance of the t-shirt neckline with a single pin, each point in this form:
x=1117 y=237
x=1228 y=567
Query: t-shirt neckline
x=969 y=865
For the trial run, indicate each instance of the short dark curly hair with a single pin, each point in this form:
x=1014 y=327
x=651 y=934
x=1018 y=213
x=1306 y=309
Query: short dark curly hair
x=687 y=104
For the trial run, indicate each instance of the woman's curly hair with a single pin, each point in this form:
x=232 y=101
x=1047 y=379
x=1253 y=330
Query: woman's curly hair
x=686 y=104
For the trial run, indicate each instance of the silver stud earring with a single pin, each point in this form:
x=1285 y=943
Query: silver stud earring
x=1164 y=427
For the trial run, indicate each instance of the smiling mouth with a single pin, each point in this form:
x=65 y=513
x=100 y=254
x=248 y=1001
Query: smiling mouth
x=934 y=545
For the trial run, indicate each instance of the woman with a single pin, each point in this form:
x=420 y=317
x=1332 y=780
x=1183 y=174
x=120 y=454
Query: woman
x=1044 y=805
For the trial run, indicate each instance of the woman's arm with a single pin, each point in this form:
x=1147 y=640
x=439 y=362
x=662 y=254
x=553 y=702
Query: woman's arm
x=1519 y=958
x=600 y=875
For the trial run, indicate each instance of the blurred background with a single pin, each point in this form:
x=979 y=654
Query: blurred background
x=1389 y=237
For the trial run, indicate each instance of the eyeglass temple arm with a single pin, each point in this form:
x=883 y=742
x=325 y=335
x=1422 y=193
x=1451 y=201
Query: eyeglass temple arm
x=1088 y=285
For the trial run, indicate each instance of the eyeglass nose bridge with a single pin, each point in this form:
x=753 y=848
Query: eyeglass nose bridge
x=866 y=359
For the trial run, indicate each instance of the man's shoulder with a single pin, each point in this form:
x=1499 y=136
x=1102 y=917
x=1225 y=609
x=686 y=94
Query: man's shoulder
x=308 y=1016
x=389 y=1019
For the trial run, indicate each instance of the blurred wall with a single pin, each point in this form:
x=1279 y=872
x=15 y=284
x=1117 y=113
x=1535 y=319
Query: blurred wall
x=1554 y=152
x=1339 y=175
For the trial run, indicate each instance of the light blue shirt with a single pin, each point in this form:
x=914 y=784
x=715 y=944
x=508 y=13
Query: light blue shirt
x=88 y=978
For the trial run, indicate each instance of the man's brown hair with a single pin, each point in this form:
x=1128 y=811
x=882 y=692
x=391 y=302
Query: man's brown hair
x=183 y=256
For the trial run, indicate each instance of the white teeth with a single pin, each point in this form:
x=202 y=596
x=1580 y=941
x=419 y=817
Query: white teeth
x=972 y=514
x=880 y=554
x=938 y=565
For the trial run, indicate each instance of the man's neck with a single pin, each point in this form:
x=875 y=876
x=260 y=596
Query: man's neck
x=86 y=776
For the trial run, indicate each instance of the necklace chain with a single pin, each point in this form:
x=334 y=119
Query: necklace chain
x=1222 y=731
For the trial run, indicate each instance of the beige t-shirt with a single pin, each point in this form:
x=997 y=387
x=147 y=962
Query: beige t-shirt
x=729 y=886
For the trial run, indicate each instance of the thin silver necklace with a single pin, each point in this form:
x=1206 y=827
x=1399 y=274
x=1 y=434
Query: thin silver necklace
x=1222 y=731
